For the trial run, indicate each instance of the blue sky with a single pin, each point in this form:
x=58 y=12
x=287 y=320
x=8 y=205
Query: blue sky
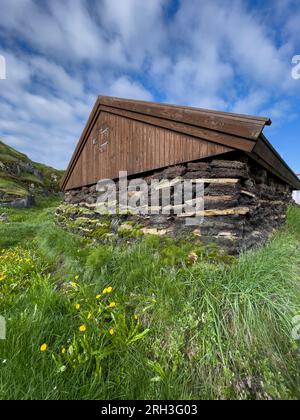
x=219 y=54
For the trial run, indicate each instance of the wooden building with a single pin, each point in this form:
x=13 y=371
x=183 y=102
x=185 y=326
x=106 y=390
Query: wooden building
x=228 y=151
x=140 y=136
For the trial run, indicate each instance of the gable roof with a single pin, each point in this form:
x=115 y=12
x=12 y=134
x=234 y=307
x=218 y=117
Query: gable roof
x=239 y=132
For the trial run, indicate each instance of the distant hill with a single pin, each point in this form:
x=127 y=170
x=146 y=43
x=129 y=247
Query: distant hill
x=21 y=179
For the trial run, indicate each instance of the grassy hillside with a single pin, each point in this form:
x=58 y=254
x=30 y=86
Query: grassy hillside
x=20 y=177
x=145 y=321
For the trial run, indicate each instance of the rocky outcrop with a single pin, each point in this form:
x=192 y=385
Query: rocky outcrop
x=19 y=167
x=22 y=179
x=4 y=218
x=19 y=203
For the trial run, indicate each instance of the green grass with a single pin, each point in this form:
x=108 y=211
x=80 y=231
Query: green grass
x=17 y=185
x=30 y=178
x=9 y=154
x=13 y=188
x=216 y=329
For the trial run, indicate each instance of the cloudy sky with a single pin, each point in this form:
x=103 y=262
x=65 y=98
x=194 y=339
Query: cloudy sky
x=219 y=54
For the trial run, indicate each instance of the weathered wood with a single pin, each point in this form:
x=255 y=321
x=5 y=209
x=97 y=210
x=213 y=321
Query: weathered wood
x=230 y=173
x=197 y=175
x=222 y=189
x=211 y=213
x=217 y=181
x=229 y=164
x=137 y=148
x=146 y=136
x=245 y=126
x=167 y=184
x=248 y=193
x=198 y=166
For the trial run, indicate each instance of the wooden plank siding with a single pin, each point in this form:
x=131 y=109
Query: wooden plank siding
x=145 y=136
x=135 y=147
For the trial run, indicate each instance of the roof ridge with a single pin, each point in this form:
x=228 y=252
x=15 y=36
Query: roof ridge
x=224 y=114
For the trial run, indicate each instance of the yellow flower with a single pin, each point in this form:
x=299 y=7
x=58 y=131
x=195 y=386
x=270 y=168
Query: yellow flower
x=74 y=285
x=89 y=316
x=112 y=305
x=76 y=277
x=77 y=306
x=107 y=290
x=43 y=347
x=111 y=331
x=82 y=328
x=63 y=350
x=98 y=297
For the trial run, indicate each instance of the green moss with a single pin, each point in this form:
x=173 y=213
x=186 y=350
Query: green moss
x=130 y=230
x=84 y=221
x=99 y=232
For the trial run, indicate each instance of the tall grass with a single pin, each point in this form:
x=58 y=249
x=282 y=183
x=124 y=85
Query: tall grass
x=215 y=329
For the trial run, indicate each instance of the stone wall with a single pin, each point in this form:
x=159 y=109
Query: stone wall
x=244 y=204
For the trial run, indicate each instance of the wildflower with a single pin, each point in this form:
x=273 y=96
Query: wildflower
x=98 y=297
x=107 y=290
x=76 y=277
x=89 y=316
x=82 y=328
x=63 y=350
x=193 y=257
x=111 y=331
x=43 y=348
x=112 y=305
x=74 y=285
x=77 y=306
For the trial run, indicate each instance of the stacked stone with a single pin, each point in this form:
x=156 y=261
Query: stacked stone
x=243 y=202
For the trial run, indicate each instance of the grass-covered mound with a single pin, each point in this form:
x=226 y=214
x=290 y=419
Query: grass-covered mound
x=153 y=320
x=21 y=177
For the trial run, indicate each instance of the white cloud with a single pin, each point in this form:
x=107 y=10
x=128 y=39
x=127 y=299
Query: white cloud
x=61 y=55
x=125 y=88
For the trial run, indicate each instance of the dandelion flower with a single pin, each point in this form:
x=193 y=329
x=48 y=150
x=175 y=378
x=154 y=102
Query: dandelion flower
x=109 y=289
x=82 y=328
x=112 y=305
x=63 y=350
x=98 y=297
x=43 y=348
x=74 y=285
x=111 y=331
x=76 y=277
x=77 y=306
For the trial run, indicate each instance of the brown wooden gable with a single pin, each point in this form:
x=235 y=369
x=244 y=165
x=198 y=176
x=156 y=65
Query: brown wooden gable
x=135 y=147
x=139 y=136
